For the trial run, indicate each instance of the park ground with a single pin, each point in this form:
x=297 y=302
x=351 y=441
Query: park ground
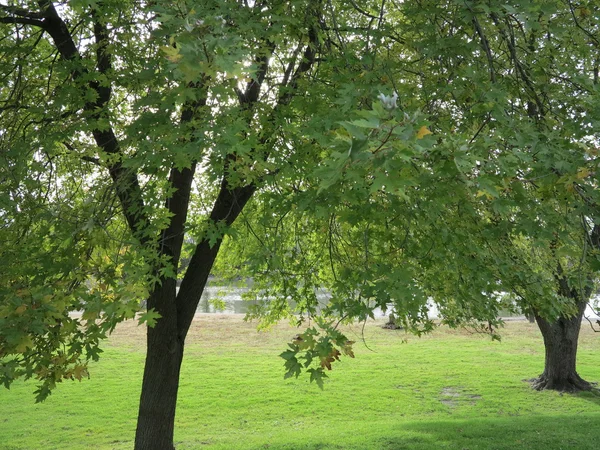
x=448 y=390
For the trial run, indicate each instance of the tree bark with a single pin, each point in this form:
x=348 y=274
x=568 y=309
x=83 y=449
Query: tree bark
x=161 y=374
x=560 y=342
x=165 y=341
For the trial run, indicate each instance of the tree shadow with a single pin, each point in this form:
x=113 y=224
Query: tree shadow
x=493 y=433
x=592 y=395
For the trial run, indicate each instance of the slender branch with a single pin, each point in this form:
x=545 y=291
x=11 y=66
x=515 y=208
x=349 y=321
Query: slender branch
x=23 y=21
x=520 y=69
x=486 y=47
x=481 y=127
x=91 y=159
x=578 y=25
x=362 y=11
x=291 y=64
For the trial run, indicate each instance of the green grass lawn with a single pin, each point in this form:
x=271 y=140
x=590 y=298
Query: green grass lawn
x=449 y=390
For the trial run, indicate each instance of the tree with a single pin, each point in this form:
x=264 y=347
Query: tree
x=131 y=129
x=500 y=197
x=176 y=111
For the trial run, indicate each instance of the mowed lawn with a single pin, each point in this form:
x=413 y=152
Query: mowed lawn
x=448 y=390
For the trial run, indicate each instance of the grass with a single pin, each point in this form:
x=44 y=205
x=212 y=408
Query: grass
x=449 y=390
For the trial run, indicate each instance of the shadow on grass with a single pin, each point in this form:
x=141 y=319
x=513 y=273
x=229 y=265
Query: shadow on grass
x=591 y=396
x=505 y=433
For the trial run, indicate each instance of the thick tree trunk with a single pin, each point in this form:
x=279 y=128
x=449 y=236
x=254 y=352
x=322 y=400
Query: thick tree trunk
x=158 y=400
x=161 y=375
x=560 y=342
x=159 y=391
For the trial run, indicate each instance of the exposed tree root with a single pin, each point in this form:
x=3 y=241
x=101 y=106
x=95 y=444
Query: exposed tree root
x=572 y=383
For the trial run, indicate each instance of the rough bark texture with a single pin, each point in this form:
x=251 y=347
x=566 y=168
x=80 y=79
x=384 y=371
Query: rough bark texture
x=165 y=341
x=161 y=380
x=560 y=342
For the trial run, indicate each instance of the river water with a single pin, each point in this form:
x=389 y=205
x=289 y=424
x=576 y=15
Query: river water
x=228 y=300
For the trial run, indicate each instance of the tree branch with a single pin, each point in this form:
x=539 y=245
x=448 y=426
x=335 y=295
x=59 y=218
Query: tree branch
x=362 y=11
x=486 y=47
x=252 y=91
x=181 y=183
x=578 y=25
x=23 y=21
x=231 y=200
x=125 y=179
x=520 y=69
x=91 y=159
x=21 y=12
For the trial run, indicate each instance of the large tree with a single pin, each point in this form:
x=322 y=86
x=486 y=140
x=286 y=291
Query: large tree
x=501 y=198
x=125 y=127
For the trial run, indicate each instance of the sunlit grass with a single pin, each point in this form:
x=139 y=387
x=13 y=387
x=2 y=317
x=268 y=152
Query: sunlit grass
x=449 y=390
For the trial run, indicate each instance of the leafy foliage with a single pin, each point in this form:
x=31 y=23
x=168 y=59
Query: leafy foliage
x=471 y=181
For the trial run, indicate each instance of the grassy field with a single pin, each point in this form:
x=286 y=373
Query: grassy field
x=449 y=390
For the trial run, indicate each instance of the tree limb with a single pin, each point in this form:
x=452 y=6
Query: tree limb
x=486 y=47
x=21 y=12
x=232 y=199
x=578 y=25
x=125 y=179
x=362 y=11
x=23 y=21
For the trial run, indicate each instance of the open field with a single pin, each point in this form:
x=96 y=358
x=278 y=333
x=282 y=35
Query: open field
x=449 y=390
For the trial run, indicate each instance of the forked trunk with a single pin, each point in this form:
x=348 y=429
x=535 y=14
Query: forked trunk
x=560 y=342
x=166 y=339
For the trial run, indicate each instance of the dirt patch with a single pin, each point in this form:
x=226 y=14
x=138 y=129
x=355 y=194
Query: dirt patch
x=452 y=396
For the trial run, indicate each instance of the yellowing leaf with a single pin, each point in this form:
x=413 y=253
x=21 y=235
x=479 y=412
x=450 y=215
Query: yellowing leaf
x=24 y=344
x=79 y=372
x=423 y=131
x=21 y=309
x=172 y=53
x=582 y=173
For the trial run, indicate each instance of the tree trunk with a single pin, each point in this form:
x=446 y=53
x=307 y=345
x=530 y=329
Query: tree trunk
x=560 y=342
x=161 y=376
x=165 y=341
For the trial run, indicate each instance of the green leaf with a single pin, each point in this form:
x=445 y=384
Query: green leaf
x=149 y=317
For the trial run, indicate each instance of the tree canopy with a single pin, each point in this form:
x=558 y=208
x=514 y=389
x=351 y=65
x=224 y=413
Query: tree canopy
x=388 y=152
x=476 y=182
